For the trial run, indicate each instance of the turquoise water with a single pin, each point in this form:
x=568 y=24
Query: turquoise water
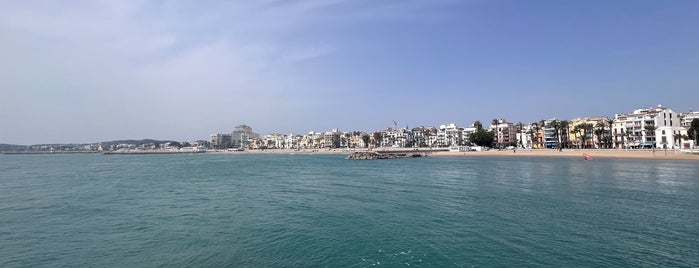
x=325 y=211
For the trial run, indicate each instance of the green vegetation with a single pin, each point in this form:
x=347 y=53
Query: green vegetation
x=693 y=131
x=482 y=137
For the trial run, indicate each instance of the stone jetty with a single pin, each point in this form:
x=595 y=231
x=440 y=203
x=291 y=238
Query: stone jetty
x=383 y=155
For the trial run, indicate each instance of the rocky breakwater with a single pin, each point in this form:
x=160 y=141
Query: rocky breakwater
x=382 y=155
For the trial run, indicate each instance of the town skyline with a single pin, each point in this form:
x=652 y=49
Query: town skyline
x=86 y=71
x=523 y=128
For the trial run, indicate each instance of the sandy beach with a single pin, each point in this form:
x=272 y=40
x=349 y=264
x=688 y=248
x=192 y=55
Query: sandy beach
x=594 y=153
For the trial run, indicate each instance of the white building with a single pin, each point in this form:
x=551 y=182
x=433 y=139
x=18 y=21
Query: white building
x=523 y=138
x=686 y=118
x=646 y=128
x=448 y=135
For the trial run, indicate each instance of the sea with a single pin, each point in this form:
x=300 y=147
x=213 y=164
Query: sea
x=267 y=210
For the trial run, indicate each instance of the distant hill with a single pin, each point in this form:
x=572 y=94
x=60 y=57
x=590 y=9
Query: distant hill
x=134 y=142
x=13 y=147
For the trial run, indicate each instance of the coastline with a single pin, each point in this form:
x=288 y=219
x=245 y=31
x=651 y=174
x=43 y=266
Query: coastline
x=573 y=153
x=595 y=153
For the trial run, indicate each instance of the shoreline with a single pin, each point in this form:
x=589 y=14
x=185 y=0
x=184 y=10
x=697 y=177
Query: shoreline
x=578 y=153
x=572 y=153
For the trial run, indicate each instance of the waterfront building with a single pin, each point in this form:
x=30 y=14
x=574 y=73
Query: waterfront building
x=423 y=136
x=242 y=135
x=524 y=140
x=550 y=134
x=271 y=141
x=686 y=118
x=332 y=139
x=466 y=133
x=220 y=141
x=646 y=128
x=448 y=135
x=536 y=133
x=356 y=140
x=598 y=133
x=505 y=132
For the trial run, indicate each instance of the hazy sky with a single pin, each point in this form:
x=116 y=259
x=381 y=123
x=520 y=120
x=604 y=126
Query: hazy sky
x=89 y=71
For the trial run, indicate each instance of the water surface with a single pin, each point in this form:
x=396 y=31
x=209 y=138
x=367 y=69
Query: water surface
x=326 y=211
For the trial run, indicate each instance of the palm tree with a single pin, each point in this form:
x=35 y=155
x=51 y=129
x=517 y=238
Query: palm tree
x=556 y=135
x=565 y=125
x=535 y=134
x=521 y=127
x=582 y=129
x=378 y=139
x=497 y=132
x=599 y=132
x=678 y=136
x=589 y=128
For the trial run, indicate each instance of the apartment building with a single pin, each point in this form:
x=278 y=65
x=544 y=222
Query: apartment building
x=505 y=132
x=646 y=128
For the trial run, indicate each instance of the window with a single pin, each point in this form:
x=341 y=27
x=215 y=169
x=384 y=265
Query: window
x=663 y=132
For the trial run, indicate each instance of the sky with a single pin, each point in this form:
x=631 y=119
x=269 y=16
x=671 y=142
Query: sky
x=91 y=71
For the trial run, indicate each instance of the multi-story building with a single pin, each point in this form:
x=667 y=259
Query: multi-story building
x=597 y=135
x=550 y=135
x=220 y=141
x=241 y=136
x=646 y=128
x=686 y=118
x=466 y=133
x=505 y=132
x=332 y=139
x=423 y=136
x=448 y=135
x=524 y=139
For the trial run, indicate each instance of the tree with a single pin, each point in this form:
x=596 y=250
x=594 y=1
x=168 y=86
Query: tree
x=520 y=127
x=478 y=125
x=377 y=138
x=535 y=134
x=482 y=137
x=581 y=131
x=497 y=132
x=599 y=132
x=556 y=135
x=678 y=137
x=366 y=140
x=565 y=127
x=693 y=131
x=175 y=144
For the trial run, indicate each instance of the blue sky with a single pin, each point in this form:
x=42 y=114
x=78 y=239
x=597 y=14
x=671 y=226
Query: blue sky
x=89 y=71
